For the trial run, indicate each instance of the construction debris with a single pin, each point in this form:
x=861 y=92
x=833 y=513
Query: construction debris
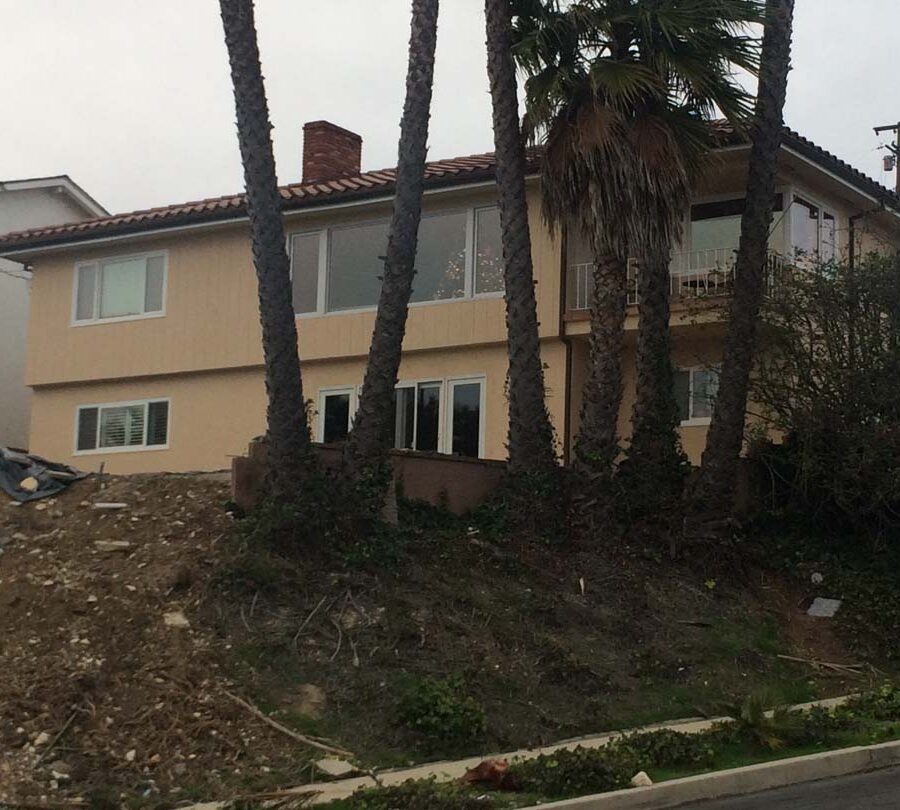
x=26 y=477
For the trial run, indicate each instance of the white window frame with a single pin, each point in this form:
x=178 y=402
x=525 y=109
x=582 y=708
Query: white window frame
x=335 y=390
x=696 y=421
x=133 y=448
x=824 y=208
x=325 y=237
x=452 y=382
x=98 y=263
x=441 y=382
x=445 y=407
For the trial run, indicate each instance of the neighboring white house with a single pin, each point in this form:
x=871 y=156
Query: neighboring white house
x=27 y=204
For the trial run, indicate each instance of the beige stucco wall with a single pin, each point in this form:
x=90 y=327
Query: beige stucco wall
x=211 y=319
x=205 y=352
x=213 y=415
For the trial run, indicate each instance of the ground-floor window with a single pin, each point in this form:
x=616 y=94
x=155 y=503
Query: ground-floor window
x=695 y=393
x=465 y=417
x=122 y=426
x=336 y=409
x=431 y=416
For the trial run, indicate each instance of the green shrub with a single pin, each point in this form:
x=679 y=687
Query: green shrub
x=416 y=795
x=666 y=748
x=579 y=772
x=437 y=709
x=880 y=704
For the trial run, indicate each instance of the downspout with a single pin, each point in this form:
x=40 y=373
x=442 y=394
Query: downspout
x=567 y=343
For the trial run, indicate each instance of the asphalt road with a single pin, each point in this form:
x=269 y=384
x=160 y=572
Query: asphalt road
x=879 y=790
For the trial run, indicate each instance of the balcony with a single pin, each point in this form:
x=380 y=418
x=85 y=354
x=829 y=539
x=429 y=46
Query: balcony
x=693 y=274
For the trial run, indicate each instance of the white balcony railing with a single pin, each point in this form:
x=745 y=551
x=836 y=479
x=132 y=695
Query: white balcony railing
x=692 y=274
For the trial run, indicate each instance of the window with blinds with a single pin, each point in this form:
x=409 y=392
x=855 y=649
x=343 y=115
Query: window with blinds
x=120 y=288
x=123 y=426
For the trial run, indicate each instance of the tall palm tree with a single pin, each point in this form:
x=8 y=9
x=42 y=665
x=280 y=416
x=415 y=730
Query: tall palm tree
x=716 y=481
x=619 y=91
x=369 y=440
x=530 y=432
x=693 y=49
x=289 y=451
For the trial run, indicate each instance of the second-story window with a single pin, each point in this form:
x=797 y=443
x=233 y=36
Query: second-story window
x=337 y=269
x=813 y=230
x=120 y=288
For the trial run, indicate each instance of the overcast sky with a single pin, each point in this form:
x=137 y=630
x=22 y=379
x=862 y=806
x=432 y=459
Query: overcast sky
x=133 y=98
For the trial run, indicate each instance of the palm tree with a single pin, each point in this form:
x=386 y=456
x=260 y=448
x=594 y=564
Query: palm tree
x=369 y=440
x=693 y=50
x=620 y=92
x=530 y=433
x=289 y=451
x=718 y=470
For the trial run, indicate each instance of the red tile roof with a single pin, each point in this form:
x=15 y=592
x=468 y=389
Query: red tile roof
x=441 y=173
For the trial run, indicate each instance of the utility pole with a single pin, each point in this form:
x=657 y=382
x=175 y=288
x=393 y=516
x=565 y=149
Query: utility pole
x=893 y=161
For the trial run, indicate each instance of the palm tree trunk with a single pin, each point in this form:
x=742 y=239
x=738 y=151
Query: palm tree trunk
x=530 y=432
x=289 y=451
x=597 y=443
x=370 y=438
x=715 y=484
x=654 y=454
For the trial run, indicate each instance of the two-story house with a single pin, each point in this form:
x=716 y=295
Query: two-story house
x=145 y=351
x=28 y=203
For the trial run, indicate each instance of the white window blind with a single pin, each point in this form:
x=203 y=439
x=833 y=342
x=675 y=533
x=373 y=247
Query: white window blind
x=122 y=426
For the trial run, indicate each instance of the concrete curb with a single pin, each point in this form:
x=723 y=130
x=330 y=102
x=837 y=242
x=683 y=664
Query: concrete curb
x=740 y=781
x=447 y=770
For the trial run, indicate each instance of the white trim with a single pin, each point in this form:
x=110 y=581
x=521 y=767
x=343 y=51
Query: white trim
x=98 y=263
x=452 y=382
x=334 y=390
x=62 y=183
x=134 y=448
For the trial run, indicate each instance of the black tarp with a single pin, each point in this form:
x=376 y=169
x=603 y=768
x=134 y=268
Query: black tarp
x=15 y=467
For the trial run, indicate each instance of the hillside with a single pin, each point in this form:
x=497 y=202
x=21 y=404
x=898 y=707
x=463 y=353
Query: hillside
x=126 y=635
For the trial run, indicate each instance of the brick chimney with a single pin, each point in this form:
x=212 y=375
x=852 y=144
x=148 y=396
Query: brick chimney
x=329 y=152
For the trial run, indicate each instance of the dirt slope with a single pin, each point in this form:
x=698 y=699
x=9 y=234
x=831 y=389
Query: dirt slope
x=92 y=643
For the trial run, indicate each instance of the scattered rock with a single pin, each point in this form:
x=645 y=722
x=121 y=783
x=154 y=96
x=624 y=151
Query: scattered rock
x=42 y=739
x=336 y=768
x=20 y=537
x=60 y=770
x=823 y=608
x=112 y=545
x=130 y=756
x=112 y=507
x=817 y=578
x=311 y=700
x=29 y=484
x=175 y=619
x=641 y=779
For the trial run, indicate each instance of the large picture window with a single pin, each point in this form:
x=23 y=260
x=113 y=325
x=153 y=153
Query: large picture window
x=120 y=288
x=459 y=255
x=119 y=426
